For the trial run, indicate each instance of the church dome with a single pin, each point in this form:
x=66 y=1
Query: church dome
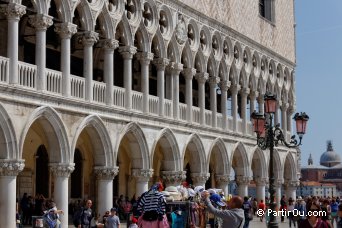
x=330 y=158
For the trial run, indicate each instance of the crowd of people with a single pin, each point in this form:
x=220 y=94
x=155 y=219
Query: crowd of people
x=149 y=210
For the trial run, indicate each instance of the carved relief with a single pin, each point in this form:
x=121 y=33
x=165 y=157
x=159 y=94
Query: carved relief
x=181 y=31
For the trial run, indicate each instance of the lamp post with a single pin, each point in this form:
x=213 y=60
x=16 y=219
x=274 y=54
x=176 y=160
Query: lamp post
x=269 y=136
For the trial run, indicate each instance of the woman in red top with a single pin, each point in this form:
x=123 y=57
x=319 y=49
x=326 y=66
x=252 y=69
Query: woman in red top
x=262 y=206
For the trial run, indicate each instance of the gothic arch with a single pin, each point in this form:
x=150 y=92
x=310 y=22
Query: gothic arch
x=240 y=155
x=142 y=38
x=172 y=51
x=158 y=41
x=125 y=34
x=103 y=152
x=187 y=59
x=87 y=20
x=170 y=149
x=135 y=135
x=8 y=141
x=195 y=146
x=51 y=122
x=222 y=159
x=200 y=63
x=290 y=167
x=223 y=71
x=260 y=167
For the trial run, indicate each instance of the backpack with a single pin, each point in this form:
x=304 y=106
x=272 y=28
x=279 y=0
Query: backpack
x=77 y=217
x=50 y=219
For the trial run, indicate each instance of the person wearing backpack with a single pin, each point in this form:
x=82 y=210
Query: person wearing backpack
x=247 y=208
x=83 y=217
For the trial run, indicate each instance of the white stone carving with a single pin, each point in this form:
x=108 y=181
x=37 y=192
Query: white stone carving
x=11 y=167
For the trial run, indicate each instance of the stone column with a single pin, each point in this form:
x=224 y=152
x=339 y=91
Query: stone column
x=242 y=183
x=291 y=188
x=145 y=59
x=173 y=178
x=234 y=90
x=201 y=79
x=127 y=53
x=109 y=46
x=61 y=172
x=142 y=177
x=188 y=75
x=260 y=188
x=9 y=170
x=161 y=63
x=176 y=68
x=252 y=97
x=41 y=22
x=277 y=188
x=276 y=114
x=290 y=111
x=169 y=85
x=200 y=179
x=224 y=86
x=14 y=12
x=213 y=104
x=65 y=31
x=222 y=181
x=105 y=176
x=283 y=109
x=261 y=103
x=244 y=92
x=89 y=39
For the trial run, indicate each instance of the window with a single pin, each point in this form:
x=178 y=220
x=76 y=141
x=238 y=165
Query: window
x=266 y=9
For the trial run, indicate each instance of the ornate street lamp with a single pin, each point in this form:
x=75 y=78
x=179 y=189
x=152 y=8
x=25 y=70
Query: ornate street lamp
x=269 y=136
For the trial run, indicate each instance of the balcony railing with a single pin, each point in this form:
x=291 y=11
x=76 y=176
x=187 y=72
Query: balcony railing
x=27 y=75
x=54 y=81
x=28 y=79
x=77 y=87
x=99 y=92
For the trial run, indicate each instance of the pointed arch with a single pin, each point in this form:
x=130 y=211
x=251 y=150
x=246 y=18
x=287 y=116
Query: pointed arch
x=290 y=167
x=135 y=134
x=158 y=42
x=142 y=39
x=200 y=63
x=260 y=169
x=173 y=52
x=103 y=152
x=212 y=69
x=243 y=78
x=51 y=122
x=223 y=71
x=8 y=140
x=233 y=78
x=123 y=33
x=169 y=144
x=198 y=159
x=187 y=59
x=108 y=25
x=87 y=20
x=240 y=155
x=222 y=158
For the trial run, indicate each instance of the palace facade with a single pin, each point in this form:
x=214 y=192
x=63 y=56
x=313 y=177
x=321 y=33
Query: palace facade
x=104 y=97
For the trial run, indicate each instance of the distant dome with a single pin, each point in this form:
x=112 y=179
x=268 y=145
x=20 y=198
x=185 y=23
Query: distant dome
x=330 y=158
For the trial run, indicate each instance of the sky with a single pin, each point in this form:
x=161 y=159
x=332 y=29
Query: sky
x=318 y=74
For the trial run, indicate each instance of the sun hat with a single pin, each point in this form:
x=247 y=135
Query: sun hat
x=216 y=199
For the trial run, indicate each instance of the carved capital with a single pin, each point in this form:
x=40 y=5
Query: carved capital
x=244 y=180
x=214 y=80
x=235 y=89
x=13 y=11
x=62 y=170
x=261 y=181
x=110 y=44
x=145 y=57
x=90 y=38
x=278 y=183
x=40 y=21
x=189 y=73
x=66 y=30
x=106 y=173
x=253 y=94
x=284 y=107
x=200 y=178
x=222 y=178
x=224 y=85
x=11 y=167
x=291 y=184
x=142 y=175
x=175 y=68
x=244 y=91
x=202 y=77
x=161 y=63
x=127 y=52
x=173 y=177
